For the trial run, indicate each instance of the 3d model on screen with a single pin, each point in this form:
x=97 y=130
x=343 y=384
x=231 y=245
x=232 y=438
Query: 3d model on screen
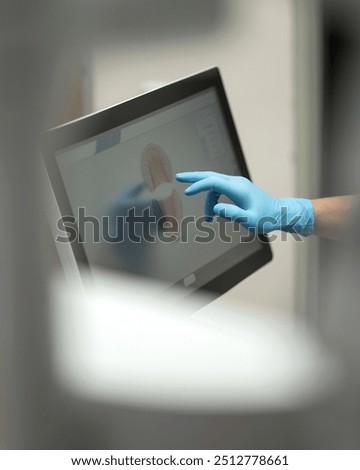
x=156 y=170
x=156 y=167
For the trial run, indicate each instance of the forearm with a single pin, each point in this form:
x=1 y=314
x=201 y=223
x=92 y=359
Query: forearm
x=333 y=216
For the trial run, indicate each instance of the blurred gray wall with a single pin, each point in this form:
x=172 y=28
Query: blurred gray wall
x=339 y=307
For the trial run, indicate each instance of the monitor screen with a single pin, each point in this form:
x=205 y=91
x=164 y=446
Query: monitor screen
x=129 y=212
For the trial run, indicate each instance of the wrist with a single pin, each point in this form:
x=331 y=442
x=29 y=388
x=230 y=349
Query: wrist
x=333 y=216
x=296 y=216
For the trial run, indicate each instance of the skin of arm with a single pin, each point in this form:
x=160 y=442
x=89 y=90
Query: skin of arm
x=333 y=216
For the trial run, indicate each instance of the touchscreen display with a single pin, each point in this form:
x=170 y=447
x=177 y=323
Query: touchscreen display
x=131 y=214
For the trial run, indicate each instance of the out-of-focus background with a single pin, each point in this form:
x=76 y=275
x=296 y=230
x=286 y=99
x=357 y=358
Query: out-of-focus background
x=291 y=72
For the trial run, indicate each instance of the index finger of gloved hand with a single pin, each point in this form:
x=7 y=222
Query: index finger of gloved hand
x=211 y=198
x=213 y=183
x=193 y=176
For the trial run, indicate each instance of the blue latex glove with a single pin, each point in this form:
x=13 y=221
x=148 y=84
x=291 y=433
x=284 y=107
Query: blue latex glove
x=253 y=208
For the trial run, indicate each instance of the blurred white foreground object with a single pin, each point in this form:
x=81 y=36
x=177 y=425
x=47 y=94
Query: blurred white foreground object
x=118 y=341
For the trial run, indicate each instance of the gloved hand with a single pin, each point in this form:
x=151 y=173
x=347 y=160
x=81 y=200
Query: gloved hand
x=253 y=208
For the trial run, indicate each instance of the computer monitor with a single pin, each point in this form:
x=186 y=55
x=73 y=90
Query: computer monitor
x=113 y=176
